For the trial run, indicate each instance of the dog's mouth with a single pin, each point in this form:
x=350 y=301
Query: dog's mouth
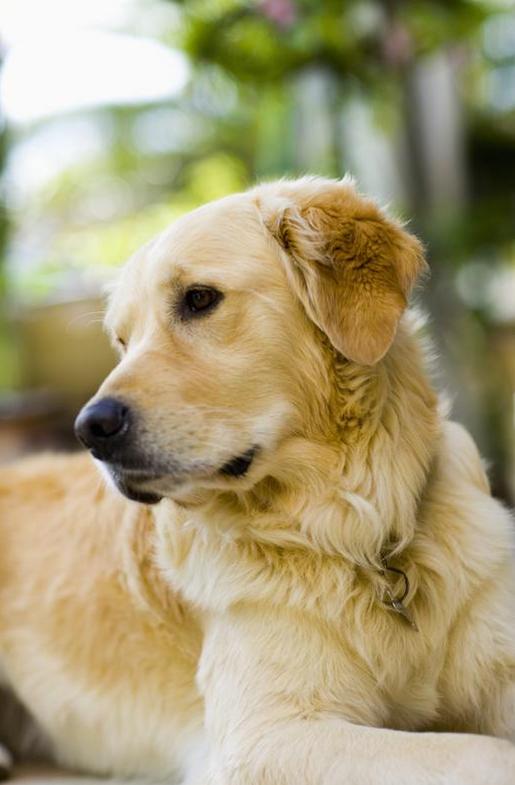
x=132 y=483
x=143 y=484
x=142 y=497
x=131 y=487
x=239 y=466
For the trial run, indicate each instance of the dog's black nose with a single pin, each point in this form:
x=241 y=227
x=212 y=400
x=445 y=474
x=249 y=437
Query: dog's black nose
x=98 y=424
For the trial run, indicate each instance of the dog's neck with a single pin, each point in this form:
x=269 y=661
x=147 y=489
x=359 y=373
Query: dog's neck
x=388 y=420
x=349 y=493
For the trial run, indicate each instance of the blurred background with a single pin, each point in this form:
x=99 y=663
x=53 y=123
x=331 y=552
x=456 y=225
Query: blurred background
x=119 y=115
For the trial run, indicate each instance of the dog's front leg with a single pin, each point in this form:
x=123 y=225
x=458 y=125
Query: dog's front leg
x=6 y=763
x=6 y=759
x=267 y=723
x=499 y=711
x=334 y=752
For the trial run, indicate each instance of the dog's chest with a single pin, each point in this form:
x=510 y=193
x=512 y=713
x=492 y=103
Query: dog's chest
x=387 y=664
x=290 y=662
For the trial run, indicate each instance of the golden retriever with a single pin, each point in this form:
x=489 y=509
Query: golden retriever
x=314 y=571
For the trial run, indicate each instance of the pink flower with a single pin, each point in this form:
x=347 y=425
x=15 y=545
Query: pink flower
x=282 y=12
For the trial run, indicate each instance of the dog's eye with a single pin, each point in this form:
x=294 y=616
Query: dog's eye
x=199 y=300
x=120 y=343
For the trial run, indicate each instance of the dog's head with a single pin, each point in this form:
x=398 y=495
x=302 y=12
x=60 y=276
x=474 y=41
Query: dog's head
x=223 y=323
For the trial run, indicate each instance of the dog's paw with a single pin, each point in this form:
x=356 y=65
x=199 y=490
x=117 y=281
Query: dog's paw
x=431 y=759
x=6 y=763
x=485 y=761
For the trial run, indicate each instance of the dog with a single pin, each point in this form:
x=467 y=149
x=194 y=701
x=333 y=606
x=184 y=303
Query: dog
x=295 y=572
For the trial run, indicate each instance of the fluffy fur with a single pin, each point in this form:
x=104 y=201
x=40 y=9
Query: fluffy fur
x=238 y=632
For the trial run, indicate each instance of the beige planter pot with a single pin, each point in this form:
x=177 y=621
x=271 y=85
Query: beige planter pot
x=63 y=349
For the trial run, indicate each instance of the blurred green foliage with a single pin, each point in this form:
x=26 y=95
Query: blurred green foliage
x=271 y=40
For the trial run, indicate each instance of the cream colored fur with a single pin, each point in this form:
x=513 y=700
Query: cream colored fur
x=236 y=633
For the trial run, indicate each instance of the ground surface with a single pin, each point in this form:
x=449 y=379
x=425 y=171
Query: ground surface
x=39 y=775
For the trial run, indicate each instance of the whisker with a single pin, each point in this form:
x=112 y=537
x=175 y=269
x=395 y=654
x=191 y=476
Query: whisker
x=81 y=316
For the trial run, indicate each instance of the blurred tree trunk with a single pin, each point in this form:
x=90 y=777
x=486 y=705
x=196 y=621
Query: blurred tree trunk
x=316 y=98
x=434 y=172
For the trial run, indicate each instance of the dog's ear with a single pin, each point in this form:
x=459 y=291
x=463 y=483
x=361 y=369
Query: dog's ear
x=351 y=266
